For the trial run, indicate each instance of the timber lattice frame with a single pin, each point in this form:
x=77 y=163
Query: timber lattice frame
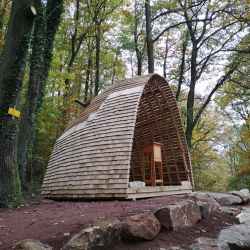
x=98 y=154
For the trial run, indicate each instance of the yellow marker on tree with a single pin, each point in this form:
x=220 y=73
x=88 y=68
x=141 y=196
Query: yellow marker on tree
x=14 y=112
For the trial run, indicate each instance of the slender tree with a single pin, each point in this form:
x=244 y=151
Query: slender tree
x=149 y=39
x=184 y=45
x=139 y=41
x=133 y=34
x=100 y=11
x=77 y=38
x=11 y=78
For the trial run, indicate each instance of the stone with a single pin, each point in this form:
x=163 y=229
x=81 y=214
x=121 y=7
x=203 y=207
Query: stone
x=204 y=243
x=222 y=199
x=235 y=237
x=174 y=248
x=225 y=199
x=206 y=209
x=85 y=239
x=245 y=209
x=243 y=217
x=245 y=191
x=30 y=244
x=245 y=198
x=180 y=215
x=142 y=227
x=112 y=227
x=230 y=210
x=136 y=184
x=198 y=194
x=203 y=197
x=102 y=234
x=186 y=185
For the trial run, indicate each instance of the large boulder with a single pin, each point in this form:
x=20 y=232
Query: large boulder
x=245 y=209
x=204 y=243
x=243 y=217
x=103 y=233
x=244 y=197
x=142 y=227
x=179 y=215
x=206 y=209
x=230 y=210
x=205 y=198
x=225 y=199
x=198 y=194
x=245 y=191
x=30 y=244
x=235 y=237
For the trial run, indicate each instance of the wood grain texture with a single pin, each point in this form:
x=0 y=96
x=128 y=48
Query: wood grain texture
x=98 y=153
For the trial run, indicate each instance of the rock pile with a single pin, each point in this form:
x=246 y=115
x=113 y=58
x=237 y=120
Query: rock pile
x=218 y=199
x=105 y=232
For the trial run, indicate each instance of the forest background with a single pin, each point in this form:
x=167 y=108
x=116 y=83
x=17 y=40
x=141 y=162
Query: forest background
x=69 y=51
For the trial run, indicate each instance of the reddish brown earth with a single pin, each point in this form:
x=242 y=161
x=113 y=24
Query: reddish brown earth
x=49 y=221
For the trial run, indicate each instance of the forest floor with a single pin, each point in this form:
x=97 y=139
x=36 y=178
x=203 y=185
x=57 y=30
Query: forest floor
x=55 y=222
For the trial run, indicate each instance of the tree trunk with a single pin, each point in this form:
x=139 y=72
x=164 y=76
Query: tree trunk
x=182 y=67
x=139 y=65
x=42 y=46
x=150 y=48
x=30 y=107
x=97 y=59
x=136 y=38
x=114 y=66
x=88 y=72
x=165 y=60
x=191 y=94
x=11 y=79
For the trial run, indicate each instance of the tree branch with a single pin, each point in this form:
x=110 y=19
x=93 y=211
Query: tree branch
x=220 y=82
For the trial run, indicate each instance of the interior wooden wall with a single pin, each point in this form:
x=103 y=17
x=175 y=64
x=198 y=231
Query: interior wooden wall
x=158 y=120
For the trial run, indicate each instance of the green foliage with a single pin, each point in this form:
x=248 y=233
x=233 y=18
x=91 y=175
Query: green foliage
x=46 y=134
x=212 y=178
x=233 y=100
x=209 y=160
x=5 y=7
x=239 y=182
x=13 y=197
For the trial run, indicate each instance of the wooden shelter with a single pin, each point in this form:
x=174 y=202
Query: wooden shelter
x=100 y=154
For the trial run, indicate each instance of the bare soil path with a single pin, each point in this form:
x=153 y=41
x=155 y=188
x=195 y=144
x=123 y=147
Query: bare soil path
x=55 y=222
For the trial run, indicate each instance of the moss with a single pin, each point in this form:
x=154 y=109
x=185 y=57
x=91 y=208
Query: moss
x=42 y=47
x=12 y=84
x=13 y=197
